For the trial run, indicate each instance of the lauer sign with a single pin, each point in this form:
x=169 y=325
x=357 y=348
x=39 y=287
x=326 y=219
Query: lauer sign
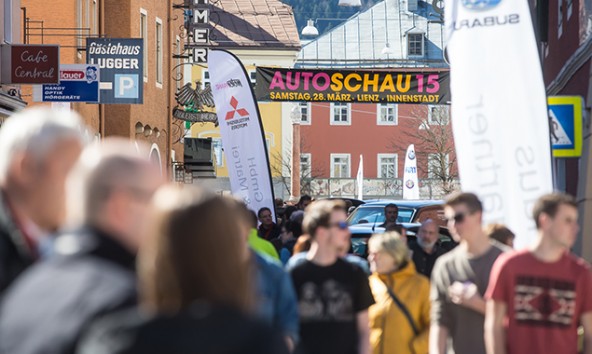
x=30 y=64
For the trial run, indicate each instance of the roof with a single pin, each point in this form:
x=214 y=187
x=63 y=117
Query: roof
x=253 y=24
x=359 y=41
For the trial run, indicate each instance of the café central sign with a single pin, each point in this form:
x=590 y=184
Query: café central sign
x=30 y=64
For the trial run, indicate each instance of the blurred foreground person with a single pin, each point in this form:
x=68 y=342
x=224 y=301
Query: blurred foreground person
x=501 y=234
x=460 y=278
x=274 y=292
x=195 y=290
x=400 y=318
x=538 y=297
x=333 y=294
x=38 y=147
x=91 y=271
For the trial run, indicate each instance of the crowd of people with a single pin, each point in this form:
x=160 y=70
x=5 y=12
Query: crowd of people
x=100 y=254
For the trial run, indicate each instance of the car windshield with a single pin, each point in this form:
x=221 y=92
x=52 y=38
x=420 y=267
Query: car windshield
x=375 y=214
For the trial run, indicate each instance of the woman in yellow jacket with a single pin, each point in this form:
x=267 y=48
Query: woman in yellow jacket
x=394 y=279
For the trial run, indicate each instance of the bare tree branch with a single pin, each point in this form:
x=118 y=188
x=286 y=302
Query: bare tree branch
x=430 y=131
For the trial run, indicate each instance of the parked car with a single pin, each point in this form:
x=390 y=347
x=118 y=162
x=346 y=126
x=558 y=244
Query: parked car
x=410 y=211
x=360 y=234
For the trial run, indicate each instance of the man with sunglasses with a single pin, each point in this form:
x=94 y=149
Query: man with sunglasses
x=333 y=295
x=542 y=293
x=460 y=278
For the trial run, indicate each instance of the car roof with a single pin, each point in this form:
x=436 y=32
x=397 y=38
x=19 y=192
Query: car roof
x=403 y=203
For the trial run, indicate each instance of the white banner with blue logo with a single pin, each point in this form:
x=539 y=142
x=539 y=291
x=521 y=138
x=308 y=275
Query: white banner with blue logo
x=241 y=130
x=410 y=185
x=499 y=110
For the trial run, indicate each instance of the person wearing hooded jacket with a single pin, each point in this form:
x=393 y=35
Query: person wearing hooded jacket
x=395 y=279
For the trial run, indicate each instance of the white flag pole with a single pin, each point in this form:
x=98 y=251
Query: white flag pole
x=360 y=178
x=410 y=185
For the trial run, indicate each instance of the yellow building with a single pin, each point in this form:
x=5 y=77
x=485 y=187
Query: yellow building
x=265 y=37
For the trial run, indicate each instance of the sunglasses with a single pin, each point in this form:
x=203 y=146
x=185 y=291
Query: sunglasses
x=341 y=225
x=458 y=218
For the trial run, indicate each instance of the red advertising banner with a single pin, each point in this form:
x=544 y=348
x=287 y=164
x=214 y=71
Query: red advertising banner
x=32 y=64
x=367 y=86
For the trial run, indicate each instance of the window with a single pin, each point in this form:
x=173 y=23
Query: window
x=205 y=79
x=144 y=36
x=159 y=54
x=253 y=77
x=438 y=165
x=438 y=115
x=559 y=18
x=387 y=166
x=8 y=21
x=340 y=166
x=415 y=44
x=304 y=112
x=569 y=8
x=217 y=147
x=340 y=114
x=386 y=114
x=305 y=165
x=80 y=23
x=94 y=28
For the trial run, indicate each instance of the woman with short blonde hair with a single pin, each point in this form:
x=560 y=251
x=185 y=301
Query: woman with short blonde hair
x=399 y=320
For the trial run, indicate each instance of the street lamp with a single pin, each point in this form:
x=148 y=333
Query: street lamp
x=387 y=50
x=310 y=29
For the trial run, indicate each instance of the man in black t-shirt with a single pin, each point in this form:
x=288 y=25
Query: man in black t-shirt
x=333 y=295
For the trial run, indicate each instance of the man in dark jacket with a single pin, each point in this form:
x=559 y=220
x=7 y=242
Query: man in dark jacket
x=37 y=149
x=91 y=271
x=427 y=247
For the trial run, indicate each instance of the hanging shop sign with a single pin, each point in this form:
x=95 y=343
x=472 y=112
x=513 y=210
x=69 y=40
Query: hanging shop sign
x=199 y=29
x=122 y=68
x=30 y=64
x=78 y=83
x=280 y=84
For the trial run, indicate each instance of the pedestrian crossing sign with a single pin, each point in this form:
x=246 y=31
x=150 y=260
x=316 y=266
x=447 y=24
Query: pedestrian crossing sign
x=565 y=114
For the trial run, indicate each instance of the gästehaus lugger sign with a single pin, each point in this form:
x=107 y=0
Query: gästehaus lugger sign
x=122 y=70
x=279 y=84
x=199 y=29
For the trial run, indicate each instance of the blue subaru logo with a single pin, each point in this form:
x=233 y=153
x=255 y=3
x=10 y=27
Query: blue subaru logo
x=480 y=4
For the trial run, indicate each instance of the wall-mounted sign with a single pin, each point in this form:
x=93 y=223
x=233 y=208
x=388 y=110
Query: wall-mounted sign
x=78 y=83
x=122 y=68
x=565 y=113
x=30 y=64
x=199 y=29
x=279 y=84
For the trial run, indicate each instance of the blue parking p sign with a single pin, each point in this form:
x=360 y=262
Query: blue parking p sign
x=122 y=65
x=126 y=86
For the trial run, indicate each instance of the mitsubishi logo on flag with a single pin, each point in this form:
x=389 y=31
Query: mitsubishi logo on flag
x=241 y=111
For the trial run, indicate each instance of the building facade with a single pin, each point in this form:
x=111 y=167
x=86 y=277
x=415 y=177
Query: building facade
x=70 y=22
x=392 y=35
x=10 y=33
x=259 y=33
x=564 y=29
